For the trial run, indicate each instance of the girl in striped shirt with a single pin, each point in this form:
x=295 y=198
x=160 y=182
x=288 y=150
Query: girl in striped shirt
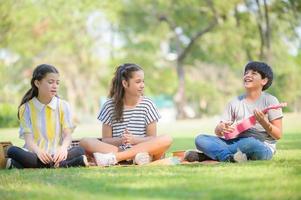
x=129 y=123
x=45 y=124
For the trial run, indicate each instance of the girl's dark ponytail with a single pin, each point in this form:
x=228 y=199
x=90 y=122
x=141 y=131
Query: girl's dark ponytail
x=123 y=72
x=38 y=74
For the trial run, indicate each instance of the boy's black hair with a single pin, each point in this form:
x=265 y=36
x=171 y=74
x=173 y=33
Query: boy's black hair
x=263 y=69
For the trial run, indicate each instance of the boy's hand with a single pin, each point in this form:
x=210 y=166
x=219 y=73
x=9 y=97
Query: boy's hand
x=260 y=117
x=224 y=127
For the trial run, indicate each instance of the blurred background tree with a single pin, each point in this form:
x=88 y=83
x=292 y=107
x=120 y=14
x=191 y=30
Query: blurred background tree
x=191 y=50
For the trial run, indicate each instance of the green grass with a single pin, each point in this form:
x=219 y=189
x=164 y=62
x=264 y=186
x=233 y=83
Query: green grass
x=276 y=179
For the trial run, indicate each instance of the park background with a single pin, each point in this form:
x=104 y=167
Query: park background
x=193 y=53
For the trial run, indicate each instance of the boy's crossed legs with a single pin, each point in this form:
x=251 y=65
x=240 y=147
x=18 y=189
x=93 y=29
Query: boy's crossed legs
x=224 y=150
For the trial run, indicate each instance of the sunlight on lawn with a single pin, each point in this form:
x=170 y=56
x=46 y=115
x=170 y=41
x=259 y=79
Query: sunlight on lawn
x=184 y=129
x=276 y=179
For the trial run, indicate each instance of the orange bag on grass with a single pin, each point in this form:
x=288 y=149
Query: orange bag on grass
x=3 y=153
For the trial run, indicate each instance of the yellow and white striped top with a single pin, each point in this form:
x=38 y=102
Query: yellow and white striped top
x=45 y=122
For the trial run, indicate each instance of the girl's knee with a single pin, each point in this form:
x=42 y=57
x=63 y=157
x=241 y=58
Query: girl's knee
x=11 y=151
x=166 y=140
x=80 y=150
x=84 y=142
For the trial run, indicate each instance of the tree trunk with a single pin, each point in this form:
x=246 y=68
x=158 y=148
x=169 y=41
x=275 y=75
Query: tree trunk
x=182 y=53
x=179 y=97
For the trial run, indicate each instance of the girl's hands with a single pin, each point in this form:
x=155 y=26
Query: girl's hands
x=128 y=138
x=44 y=156
x=60 y=155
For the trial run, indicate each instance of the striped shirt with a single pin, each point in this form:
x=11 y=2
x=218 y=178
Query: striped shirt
x=45 y=122
x=134 y=119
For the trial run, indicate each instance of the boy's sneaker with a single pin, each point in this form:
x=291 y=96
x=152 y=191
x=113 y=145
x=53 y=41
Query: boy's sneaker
x=240 y=157
x=105 y=159
x=192 y=156
x=142 y=158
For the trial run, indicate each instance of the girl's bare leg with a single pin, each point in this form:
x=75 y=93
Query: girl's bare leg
x=92 y=145
x=156 y=147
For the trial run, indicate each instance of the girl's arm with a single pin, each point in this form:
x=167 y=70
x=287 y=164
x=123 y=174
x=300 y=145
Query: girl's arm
x=151 y=132
x=107 y=136
x=66 y=138
x=32 y=146
x=62 y=152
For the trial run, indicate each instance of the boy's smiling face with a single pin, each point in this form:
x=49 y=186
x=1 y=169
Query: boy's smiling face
x=253 y=80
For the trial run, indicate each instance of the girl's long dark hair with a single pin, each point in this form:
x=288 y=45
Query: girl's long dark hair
x=38 y=74
x=123 y=72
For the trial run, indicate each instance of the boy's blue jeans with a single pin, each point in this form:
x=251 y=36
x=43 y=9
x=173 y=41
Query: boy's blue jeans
x=221 y=149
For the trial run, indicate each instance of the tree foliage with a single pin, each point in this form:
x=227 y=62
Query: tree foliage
x=190 y=49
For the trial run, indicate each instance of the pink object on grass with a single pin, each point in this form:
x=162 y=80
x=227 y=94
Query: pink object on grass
x=249 y=122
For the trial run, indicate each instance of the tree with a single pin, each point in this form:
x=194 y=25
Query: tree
x=53 y=32
x=190 y=49
x=236 y=32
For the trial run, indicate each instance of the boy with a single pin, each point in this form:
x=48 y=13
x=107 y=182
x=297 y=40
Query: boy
x=256 y=143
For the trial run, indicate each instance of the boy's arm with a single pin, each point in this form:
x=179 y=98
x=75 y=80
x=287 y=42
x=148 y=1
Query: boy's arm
x=273 y=128
x=226 y=121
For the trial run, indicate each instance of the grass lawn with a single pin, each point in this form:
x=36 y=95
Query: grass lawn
x=276 y=179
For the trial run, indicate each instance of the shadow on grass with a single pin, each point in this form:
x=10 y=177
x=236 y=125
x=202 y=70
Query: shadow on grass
x=220 y=182
x=182 y=144
x=290 y=141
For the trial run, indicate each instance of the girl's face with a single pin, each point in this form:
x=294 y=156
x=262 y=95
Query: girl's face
x=135 y=85
x=48 y=86
x=253 y=79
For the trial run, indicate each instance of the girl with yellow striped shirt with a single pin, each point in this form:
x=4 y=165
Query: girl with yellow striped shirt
x=45 y=124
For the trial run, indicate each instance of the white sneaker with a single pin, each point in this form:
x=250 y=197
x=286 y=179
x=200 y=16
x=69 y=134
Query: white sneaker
x=142 y=158
x=85 y=160
x=105 y=159
x=8 y=163
x=240 y=157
